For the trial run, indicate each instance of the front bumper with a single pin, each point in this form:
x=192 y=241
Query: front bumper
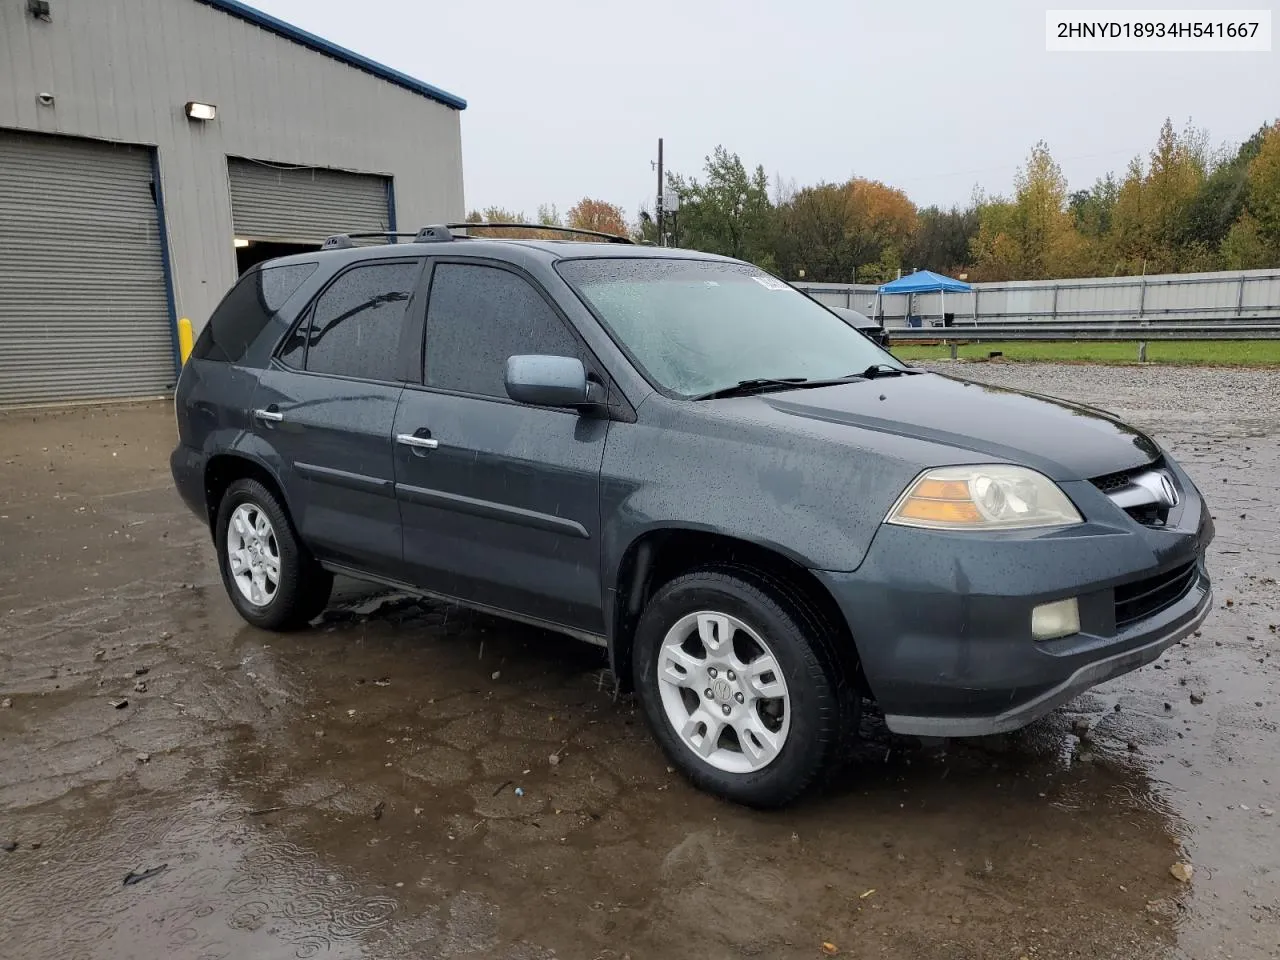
x=942 y=621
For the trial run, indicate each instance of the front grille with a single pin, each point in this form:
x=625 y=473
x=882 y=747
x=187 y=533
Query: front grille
x=1127 y=489
x=1112 y=481
x=1144 y=598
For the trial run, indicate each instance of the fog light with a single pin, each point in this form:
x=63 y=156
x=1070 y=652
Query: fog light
x=1058 y=619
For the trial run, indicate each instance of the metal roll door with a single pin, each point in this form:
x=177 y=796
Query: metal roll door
x=84 y=310
x=304 y=204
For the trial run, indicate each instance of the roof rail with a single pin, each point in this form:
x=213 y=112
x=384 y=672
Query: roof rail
x=434 y=233
x=442 y=233
x=342 y=241
x=611 y=237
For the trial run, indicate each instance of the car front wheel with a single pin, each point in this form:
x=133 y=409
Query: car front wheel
x=739 y=685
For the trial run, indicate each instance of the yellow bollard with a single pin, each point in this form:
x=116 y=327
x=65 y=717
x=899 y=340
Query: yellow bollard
x=185 y=340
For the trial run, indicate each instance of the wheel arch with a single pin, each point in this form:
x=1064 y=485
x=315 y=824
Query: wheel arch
x=224 y=469
x=658 y=556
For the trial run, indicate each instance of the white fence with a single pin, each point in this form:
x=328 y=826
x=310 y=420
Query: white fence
x=1229 y=297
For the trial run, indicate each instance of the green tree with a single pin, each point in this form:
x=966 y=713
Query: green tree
x=1043 y=229
x=729 y=212
x=839 y=233
x=1176 y=174
x=811 y=227
x=1129 y=240
x=1243 y=248
x=1152 y=224
x=1092 y=210
x=645 y=228
x=1221 y=199
x=1034 y=236
x=942 y=239
x=995 y=251
x=1263 y=201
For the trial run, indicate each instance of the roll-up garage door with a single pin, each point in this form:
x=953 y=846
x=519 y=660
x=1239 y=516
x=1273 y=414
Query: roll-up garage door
x=304 y=204
x=84 y=311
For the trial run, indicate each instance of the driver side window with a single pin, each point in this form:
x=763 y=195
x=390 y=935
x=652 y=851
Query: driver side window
x=477 y=317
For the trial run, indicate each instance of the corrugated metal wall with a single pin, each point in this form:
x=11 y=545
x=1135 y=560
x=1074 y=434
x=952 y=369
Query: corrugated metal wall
x=123 y=69
x=303 y=204
x=83 y=307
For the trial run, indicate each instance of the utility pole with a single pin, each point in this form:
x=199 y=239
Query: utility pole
x=662 y=242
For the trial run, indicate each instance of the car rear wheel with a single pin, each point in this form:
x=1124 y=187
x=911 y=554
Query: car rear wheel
x=271 y=578
x=739 y=685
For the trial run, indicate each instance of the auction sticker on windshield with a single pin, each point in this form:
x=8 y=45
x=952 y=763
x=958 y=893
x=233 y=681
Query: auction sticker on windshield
x=770 y=283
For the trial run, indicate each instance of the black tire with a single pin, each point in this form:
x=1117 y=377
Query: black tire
x=304 y=586
x=824 y=709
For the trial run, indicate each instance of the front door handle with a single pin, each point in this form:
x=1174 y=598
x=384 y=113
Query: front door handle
x=270 y=414
x=418 y=443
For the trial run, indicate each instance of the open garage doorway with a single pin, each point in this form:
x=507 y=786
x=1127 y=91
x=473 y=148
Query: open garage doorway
x=250 y=253
x=277 y=209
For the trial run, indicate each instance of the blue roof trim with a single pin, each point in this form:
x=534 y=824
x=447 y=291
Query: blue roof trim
x=309 y=40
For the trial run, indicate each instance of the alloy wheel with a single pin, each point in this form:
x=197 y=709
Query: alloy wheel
x=723 y=691
x=253 y=555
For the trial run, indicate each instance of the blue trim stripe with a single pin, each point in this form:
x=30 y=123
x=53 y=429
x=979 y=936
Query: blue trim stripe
x=166 y=263
x=309 y=40
x=391 y=209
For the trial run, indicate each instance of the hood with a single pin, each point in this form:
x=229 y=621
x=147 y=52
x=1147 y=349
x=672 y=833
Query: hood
x=1064 y=440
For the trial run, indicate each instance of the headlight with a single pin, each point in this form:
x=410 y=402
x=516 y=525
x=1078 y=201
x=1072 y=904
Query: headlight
x=987 y=497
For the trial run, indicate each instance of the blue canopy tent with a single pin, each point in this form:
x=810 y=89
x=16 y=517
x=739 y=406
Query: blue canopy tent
x=922 y=281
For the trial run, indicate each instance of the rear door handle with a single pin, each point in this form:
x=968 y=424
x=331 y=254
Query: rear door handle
x=420 y=443
x=274 y=416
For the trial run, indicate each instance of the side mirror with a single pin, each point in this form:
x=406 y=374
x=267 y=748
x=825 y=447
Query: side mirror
x=550 y=382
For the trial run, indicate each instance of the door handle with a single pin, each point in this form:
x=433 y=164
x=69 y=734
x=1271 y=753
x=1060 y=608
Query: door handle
x=274 y=416
x=420 y=443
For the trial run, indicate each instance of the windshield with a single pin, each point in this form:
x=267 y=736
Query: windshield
x=698 y=326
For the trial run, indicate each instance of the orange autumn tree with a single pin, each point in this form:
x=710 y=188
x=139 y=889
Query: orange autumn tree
x=881 y=220
x=588 y=214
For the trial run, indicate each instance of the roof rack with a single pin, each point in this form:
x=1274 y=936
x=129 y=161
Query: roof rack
x=342 y=241
x=611 y=237
x=443 y=233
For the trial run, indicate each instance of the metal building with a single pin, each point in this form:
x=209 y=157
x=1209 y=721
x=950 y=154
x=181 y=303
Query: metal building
x=150 y=150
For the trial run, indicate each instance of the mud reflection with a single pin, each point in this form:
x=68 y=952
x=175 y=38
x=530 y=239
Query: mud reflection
x=401 y=763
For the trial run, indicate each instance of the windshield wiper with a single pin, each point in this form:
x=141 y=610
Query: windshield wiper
x=745 y=388
x=884 y=370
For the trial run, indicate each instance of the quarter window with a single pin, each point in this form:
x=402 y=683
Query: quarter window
x=356 y=324
x=477 y=317
x=245 y=311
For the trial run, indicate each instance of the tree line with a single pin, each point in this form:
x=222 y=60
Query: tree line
x=1184 y=207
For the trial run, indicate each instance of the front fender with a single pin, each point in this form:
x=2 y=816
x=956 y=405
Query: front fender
x=816 y=502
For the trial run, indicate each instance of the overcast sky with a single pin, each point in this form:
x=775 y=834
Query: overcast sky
x=567 y=98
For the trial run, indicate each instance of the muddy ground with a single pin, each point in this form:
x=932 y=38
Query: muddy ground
x=351 y=790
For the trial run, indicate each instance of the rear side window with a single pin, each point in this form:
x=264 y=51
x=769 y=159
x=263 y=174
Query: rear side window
x=479 y=316
x=245 y=311
x=356 y=324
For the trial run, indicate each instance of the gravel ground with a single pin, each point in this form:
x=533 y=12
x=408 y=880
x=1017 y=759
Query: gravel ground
x=351 y=790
